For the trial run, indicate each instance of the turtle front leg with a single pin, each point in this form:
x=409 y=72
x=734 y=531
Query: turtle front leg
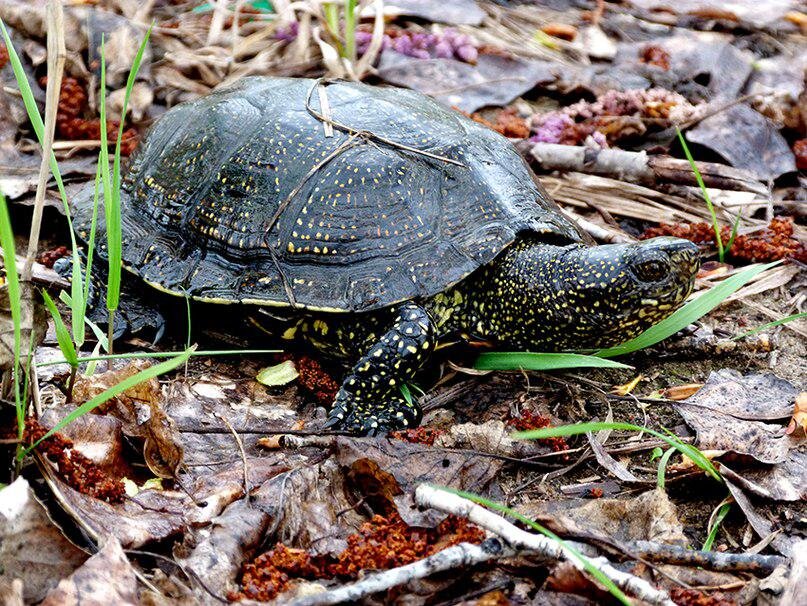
x=370 y=400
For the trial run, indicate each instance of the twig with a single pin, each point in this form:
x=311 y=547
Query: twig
x=458 y=556
x=57 y=55
x=522 y=541
x=243 y=453
x=710 y=560
x=366 y=134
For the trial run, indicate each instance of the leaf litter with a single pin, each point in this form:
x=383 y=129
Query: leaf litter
x=229 y=482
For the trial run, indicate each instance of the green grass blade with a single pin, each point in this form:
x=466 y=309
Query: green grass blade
x=62 y=334
x=541 y=361
x=690 y=451
x=720 y=250
x=690 y=312
x=93 y=229
x=773 y=324
x=113 y=227
x=164 y=354
x=661 y=473
x=128 y=383
x=583 y=560
x=350 y=30
x=35 y=118
x=715 y=527
x=15 y=303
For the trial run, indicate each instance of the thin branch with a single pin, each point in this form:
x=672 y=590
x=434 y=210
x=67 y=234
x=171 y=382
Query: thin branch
x=522 y=541
x=56 y=59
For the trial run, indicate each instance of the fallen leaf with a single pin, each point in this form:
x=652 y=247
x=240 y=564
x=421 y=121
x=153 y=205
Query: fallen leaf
x=385 y=472
x=32 y=548
x=729 y=411
x=651 y=516
x=279 y=374
x=746 y=139
x=140 y=409
x=494 y=80
x=681 y=392
x=454 y=12
x=799 y=414
x=785 y=481
x=106 y=578
x=758 y=15
x=491 y=437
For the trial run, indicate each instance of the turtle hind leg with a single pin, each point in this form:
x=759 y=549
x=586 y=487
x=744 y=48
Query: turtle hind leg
x=370 y=400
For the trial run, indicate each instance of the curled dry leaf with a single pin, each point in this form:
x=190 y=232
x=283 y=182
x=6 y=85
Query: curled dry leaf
x=386 y=472
x=651 y=516
x=106 y=578
x=140 y=410
x=799 y=419
x=32 y=548
x=492 y=437
x=730 y=413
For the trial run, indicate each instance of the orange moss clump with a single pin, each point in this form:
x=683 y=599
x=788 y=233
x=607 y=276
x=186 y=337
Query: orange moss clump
x=530 y=420
x=381 y=544
x=770 y=244
x=314 y=379
x=49 y=257
x=74 y=468
x=655 y=55
x=3 y=56
x=421 y=435
x=508 y=123
x=692 y=597
x=799 y=149
x=71 y=123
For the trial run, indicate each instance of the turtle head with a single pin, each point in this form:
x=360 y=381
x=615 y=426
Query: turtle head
x=617 y=291
x=552 y=298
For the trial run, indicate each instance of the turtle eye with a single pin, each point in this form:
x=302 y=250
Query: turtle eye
x=651 y=270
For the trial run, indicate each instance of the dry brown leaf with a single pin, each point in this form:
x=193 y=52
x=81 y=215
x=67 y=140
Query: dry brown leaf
x=799 y=414
x=32 y=547
x=106 y=578
x=140 y=409
x=681 y=392
x=730 y=412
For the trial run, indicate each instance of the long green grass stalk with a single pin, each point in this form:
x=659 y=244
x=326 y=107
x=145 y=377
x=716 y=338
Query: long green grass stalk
x=690 y=451
x=112 y=184
x=773 y=324
x=163 y=354
x=541 y=361
x=574 y=553
x=15 y=303
x=661 y=473
x=65 y=342
x=350 y=30
x=714 y=525
x=721 y=252
x=117 y=389
x=690 y=312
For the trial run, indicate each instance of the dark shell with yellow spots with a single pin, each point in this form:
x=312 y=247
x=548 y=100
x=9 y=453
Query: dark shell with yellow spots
x=241 y=197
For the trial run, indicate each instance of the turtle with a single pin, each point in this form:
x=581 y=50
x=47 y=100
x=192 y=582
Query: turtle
x=374 y=223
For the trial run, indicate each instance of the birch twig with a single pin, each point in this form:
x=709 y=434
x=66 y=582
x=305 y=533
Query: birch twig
x=525 y=542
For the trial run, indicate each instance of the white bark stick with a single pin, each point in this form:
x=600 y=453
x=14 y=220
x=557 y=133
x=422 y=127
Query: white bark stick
x=457 y=556
x=522 y=541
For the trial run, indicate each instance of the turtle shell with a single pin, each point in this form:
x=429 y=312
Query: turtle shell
x=242 y=196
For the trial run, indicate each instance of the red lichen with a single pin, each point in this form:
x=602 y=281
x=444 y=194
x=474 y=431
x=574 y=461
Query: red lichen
x=3 y=56
x=381 y=544
x=49 y=257
x=800 y=151
x=655 y=55
x=73 y=124
x=529 y=420
x=314 y=379
x=769 y=244
x=77 y=470
x=692 y=597
x=421 y=435
x=596 y=492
